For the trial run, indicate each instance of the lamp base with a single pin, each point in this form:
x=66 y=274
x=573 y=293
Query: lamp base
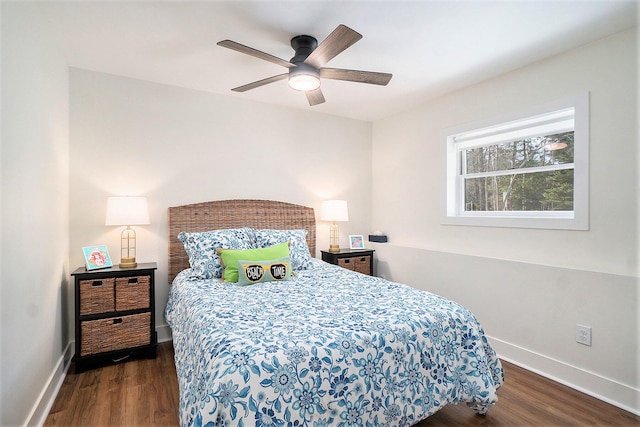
x=334 y=249
x=128 y=262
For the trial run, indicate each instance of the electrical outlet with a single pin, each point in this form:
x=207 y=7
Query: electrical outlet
x=583 y=334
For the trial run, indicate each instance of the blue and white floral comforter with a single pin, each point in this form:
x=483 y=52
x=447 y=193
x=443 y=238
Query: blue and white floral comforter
x=329 y=347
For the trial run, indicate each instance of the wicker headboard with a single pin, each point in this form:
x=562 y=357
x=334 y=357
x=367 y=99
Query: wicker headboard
x=233 y=214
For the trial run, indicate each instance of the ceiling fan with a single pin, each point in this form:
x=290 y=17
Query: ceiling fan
x=306 y=68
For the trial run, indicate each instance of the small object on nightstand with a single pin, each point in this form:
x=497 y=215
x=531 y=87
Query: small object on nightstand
x=378 y=238
x=351 y=259
x=97 y=257
x=115 y=314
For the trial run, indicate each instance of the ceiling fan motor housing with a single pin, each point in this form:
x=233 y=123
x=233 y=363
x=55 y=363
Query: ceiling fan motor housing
x=303 y=46
x=303 y=77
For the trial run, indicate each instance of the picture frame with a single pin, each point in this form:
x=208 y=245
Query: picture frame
x=356 y=241
x=96 y=257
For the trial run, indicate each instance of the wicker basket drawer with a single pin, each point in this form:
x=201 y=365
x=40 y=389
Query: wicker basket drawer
x=115 y=333
x=348 y=263
x=363 y=264
x=132 y=293
x=96 y=296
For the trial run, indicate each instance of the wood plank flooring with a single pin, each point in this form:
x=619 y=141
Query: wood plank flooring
x=145 y=393
x=141 y=392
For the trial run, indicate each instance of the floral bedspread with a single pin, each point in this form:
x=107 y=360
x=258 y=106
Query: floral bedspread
x=329 y=347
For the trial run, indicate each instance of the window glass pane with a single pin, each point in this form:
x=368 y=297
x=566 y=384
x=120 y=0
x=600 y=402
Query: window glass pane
x=524 y=153
x=541 y=191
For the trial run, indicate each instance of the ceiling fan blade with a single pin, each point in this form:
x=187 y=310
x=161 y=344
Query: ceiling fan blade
x=259 y=83
x=340 y=39
x=254 y=52
x=369 y=77
x=314 y=97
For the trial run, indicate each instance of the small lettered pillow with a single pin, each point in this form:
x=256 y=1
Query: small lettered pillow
x=230 y=257
x=250 y=272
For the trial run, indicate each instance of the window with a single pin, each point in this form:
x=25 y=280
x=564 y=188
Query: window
x=529 y=170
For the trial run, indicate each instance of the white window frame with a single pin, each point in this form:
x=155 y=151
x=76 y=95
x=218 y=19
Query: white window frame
x=535 y=121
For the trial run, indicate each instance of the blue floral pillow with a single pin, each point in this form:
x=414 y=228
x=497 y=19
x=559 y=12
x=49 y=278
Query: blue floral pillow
x=298 y=249
x=201 y=248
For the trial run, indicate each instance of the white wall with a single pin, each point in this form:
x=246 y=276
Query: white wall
x=179 y=146
x=35 y=165
x=528 y=287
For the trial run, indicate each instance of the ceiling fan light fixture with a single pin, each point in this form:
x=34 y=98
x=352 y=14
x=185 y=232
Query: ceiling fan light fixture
x=304 y=78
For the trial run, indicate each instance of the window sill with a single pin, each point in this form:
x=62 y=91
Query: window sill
x=560 y=222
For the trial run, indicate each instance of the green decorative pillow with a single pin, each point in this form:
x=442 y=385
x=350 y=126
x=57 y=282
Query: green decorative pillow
x=230 y=258
x=250 y=272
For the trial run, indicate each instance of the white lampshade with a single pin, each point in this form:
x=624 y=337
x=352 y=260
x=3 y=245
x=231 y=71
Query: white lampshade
x=334 y=210
x=127 y=210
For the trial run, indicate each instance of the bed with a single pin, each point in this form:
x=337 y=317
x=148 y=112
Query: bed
x=326 y=346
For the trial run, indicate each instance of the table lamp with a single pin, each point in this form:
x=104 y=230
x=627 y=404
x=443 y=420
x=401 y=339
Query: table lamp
x=334 y=210
x=127 y=210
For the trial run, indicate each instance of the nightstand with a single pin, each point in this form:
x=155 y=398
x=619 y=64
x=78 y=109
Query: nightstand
x=114 y=314
x=360 y=260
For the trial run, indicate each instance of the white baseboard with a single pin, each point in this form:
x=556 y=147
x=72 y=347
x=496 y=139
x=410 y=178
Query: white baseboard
x=164 y=333
x=626 y=397
x=47 y=397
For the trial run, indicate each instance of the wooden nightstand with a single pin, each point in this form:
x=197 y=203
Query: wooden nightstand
x=360 y=260
x=115 y=314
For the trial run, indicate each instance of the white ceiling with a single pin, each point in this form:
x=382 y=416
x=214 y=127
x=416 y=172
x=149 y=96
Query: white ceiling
x=430 y=47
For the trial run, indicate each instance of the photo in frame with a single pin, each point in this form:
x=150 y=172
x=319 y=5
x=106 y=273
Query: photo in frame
x=356 y=241
x=96 y=257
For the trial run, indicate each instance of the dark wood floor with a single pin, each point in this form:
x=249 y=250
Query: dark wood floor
x=145 y=393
